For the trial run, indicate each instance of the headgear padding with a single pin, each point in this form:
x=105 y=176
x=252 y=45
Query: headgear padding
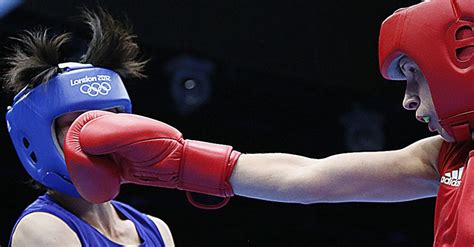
x=30 y=120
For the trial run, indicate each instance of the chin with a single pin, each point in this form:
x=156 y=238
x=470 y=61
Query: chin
x=446 y=136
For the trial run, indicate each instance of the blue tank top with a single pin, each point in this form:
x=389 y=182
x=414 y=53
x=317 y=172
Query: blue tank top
x=87 y=234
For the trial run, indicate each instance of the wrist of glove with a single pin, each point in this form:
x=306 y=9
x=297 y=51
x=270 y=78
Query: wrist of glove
x=207 y=169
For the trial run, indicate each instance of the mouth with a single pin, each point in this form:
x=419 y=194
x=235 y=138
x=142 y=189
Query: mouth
x=431 y=128
x=427 y=120
x=423 y=119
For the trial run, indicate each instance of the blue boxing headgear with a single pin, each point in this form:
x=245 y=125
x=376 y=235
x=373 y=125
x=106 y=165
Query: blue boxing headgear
x=30 y=120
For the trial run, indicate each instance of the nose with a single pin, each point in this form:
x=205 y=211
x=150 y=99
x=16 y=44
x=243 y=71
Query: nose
x=411 y=102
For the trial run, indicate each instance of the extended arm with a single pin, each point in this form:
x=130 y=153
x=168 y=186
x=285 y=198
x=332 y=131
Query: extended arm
x=405 y=174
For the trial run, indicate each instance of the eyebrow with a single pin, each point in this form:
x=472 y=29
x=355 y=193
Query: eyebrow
x=402 y=63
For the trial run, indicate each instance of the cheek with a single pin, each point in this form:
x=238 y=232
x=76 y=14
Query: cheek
x=60 y=134
x=427 y=103
x=425 y=95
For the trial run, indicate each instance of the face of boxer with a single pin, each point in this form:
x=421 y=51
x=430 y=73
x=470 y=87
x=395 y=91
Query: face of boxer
x=63 y=123
x=418 y=97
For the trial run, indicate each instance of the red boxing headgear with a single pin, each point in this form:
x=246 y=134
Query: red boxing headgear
x=439 y=36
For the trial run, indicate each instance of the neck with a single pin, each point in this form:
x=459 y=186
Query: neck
x=101 y=216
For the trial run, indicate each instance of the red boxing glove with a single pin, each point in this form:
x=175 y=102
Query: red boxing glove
x=103 y=150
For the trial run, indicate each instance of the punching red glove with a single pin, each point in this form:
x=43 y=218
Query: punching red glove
x=104 y=150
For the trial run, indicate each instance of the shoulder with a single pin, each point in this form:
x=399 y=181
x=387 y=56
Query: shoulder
x=425 y=150
x=432 y=143
x=43 y=229
x=164 y=230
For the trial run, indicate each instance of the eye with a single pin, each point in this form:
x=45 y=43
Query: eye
x=61 y=123
x=409 y=69
x=413 y=70
x=67 y=119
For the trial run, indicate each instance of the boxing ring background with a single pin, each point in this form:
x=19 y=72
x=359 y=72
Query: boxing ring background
x=263 y=76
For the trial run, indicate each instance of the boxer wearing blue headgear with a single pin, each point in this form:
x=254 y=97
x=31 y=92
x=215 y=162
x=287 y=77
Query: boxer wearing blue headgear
x=51 y=95
x=79 y=87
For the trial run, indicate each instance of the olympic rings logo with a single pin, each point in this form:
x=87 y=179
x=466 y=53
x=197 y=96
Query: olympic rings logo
x=96 y=88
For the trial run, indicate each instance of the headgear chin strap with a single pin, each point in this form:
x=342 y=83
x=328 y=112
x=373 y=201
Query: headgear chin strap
x=31 y=118
x=439 y=36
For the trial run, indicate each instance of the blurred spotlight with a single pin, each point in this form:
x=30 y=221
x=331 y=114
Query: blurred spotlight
x=363 y=129
x=191 y=85
x=8 y=5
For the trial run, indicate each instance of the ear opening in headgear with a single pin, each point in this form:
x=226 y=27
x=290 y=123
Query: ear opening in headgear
x=464 y=54
x=26 y=143
x=27 y=149
x=33 y=158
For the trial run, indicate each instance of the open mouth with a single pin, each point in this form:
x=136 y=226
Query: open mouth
x=431 y=128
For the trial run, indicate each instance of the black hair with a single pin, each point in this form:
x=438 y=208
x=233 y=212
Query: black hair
x=112 y=46
x=35 y=54
x=34 y=58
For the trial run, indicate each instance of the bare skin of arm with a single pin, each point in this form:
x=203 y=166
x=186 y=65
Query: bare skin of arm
x=387 y=176
x=43 y=229
x=164 y=231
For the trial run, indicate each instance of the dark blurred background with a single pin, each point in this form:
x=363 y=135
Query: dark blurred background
x=264 y=76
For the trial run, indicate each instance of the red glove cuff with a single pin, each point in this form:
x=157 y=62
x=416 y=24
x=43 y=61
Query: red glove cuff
x=206 y=168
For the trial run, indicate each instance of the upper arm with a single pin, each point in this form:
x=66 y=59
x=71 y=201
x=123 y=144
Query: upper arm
x=398 y=175
x=43 y=229
x=421 y=157
x=164 y=231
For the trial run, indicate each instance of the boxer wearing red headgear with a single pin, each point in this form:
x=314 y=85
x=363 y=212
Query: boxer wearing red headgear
x=430 y=45
x=438 y=38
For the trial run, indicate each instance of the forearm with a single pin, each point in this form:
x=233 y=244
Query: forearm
x=373 y=176
x=267 y=176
